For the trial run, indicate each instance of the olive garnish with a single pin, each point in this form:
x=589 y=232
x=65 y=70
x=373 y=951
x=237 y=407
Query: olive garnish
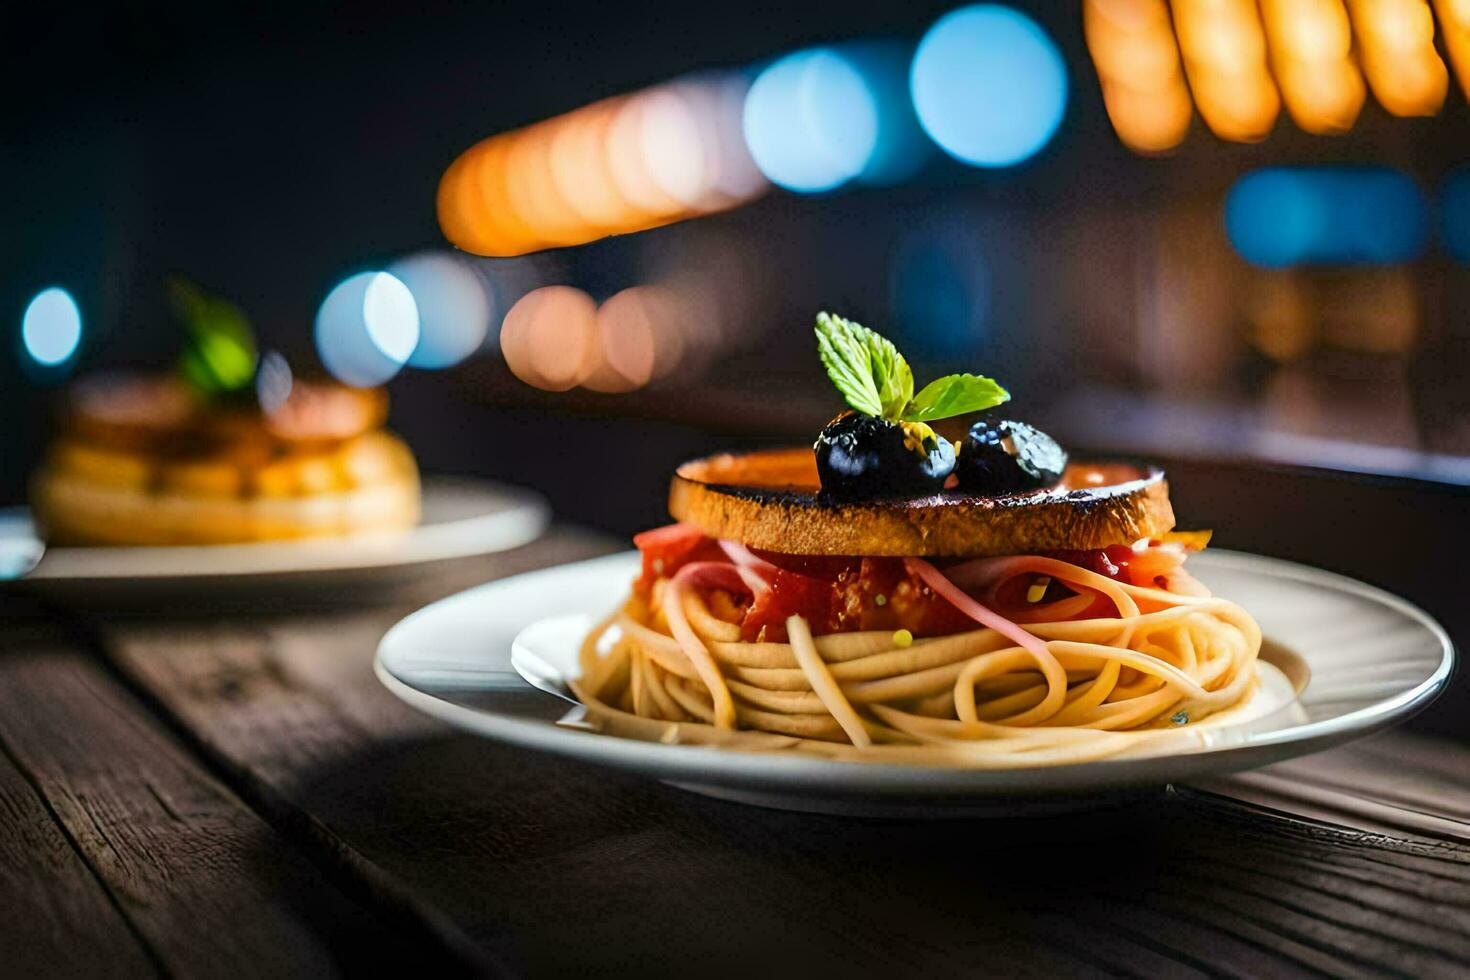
x=860 y=457
x=1002 y=457
x=884 y=447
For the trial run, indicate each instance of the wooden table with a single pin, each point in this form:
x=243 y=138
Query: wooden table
x=232 y=793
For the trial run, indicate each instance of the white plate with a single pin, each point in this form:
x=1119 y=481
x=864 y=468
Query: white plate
x=1373 y=659
x=461 y=518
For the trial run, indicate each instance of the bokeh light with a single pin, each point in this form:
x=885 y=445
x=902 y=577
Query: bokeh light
x=1132 y=46
x=1454 y=27
x=621 y=165
x=581 y=173
x=717 y=101
x=901 y=150
x=989 y=85
x=655 y=156
x=273 y=382
x=453 y=308
x=51 y=327
x=1396 y=47
x=1286 y=216
x=811 y=121
x=625 y=338
x=391 y=315
x=1454 y=214
x=1224 y=50
x=366 y=329
x=549 y=337
x=1311 y=44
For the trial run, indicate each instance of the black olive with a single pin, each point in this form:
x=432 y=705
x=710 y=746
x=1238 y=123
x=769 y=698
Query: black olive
x=1008 y=457
x=860 y=457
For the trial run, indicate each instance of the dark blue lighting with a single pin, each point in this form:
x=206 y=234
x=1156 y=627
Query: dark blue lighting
x=939 y=292
x=1341 y=215
x=1454 y=214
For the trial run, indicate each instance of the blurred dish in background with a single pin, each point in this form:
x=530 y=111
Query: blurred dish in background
x=461 y=518
x=145 y=461
x=233 y=447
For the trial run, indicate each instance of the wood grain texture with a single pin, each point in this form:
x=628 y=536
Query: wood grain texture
x=1398 y=784
x=202 y=882
x=62 y=921
x=552 y=867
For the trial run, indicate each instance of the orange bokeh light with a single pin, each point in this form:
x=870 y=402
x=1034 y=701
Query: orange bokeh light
x=620 y=165
x=549 y=337
x=1396 y=39
x=1224 y=51
x=1132 y=44
x=1454 y=25
x=626 y=341
x=1311 y=56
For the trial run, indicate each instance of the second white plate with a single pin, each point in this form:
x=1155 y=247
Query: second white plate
x=461 y=518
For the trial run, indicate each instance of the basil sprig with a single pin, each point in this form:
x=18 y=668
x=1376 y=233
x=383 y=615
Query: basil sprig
x=219 y=353
x=874 y=378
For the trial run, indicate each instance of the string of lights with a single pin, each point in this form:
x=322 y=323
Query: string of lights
x=985 y=86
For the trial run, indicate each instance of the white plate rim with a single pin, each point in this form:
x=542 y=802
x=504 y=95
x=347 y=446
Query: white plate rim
x=524 y=518
x=798 y=773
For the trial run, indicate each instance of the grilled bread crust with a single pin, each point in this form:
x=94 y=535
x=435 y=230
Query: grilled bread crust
x=770 y=500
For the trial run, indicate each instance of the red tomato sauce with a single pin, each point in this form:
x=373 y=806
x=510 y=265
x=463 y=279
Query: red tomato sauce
x=838 y=594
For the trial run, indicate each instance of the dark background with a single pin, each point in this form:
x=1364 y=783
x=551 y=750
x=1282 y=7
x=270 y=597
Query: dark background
x=268 y=153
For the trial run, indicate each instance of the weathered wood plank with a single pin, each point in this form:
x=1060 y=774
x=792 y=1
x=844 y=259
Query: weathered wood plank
x=207 y=885
x=60 y=921
x=1402 y=785
x=555 y=867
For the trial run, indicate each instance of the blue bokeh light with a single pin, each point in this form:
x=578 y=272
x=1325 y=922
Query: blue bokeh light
x=901 y=150
x=454 y=310
x=811 y=121
x=51 y=327
x=1278 y=217
x=367 y=328
x=1454 y=203
x=989 y=85
x=939 y=291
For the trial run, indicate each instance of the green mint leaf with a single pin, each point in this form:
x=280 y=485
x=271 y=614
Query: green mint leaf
x=219 y=353
x=955 y=394
x=894 y=376
x=867 y=369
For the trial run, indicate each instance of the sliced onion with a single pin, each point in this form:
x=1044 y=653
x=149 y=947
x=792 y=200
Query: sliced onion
x=745 y=558
x=957 y=597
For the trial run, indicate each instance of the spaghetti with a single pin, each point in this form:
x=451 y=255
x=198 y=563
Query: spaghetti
x=1107 y=667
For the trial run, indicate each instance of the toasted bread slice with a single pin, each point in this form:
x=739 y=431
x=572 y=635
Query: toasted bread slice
x=769 y=500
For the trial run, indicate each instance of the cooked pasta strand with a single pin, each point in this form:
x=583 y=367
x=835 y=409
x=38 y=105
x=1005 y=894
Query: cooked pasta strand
x=666 y=668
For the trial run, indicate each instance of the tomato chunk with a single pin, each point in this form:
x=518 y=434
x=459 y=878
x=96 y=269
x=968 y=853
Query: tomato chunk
x=667 y=549
x=790 y=594
x=844 y=593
